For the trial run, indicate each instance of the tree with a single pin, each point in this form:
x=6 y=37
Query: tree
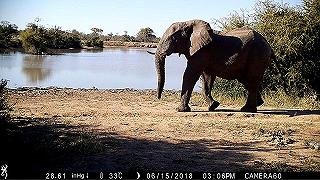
x=60 y=39
x=294 y=35
x=72 y=40
x=146 y=35
x=311 y=67
x=35 y=39
x=126 y=38
x=8 y=33
x=95 y=38
x=110 y=34
x=234 y=20
x=97 y=31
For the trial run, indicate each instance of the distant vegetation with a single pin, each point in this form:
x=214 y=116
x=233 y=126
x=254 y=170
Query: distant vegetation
x=294 y=34
x=9 y=35
x=146 y=35
x=37 y=39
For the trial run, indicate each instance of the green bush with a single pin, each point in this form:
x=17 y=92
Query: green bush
x=35 y=39
x=62 y=40
x=94 y=39
x=233 y=21
x=229 y=89
x=8 y=35
x=94 y=42
x=294 y=35
x=146 y=35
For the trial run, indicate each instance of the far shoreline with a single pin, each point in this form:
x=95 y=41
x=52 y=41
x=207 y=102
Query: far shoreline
x=56 y=88
x=129 y=44
x=106 y=44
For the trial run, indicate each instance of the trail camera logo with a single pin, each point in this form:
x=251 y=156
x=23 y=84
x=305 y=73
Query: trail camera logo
x=4 y=172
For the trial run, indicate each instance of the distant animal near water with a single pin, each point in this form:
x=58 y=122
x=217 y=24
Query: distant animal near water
x=242 y=54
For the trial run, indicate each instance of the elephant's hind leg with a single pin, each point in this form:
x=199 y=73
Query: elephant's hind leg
x=251 y=84
x=259 y=100
x=207 y=84
x=251 y=104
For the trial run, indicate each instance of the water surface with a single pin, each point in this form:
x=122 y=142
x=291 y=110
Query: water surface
x=109 y=68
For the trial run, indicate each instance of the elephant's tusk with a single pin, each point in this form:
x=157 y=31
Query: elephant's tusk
x=151 y=53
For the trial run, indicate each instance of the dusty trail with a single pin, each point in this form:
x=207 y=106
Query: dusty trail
x=137 y=131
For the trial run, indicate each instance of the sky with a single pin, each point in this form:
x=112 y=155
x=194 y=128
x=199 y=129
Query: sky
x=117 y=16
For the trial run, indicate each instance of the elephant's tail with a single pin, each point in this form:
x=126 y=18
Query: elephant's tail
x=278 y=66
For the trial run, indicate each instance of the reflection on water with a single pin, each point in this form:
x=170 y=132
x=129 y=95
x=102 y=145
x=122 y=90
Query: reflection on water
x=34 y=69
x=63 y=51
x=108 y=68
x=95 y=50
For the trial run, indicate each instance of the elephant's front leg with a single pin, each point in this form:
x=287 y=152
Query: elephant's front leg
x=190 y=77
x=207 y=84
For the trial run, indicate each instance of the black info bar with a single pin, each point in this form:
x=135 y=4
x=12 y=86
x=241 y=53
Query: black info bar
x=164 y=175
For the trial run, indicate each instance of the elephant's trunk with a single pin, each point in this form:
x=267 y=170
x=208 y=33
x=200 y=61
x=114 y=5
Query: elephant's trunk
x=160 y=63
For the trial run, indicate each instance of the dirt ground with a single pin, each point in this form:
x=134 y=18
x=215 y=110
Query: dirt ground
x=137 y=131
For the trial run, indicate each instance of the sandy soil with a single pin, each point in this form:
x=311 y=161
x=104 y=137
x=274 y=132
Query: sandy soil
x=141 y=132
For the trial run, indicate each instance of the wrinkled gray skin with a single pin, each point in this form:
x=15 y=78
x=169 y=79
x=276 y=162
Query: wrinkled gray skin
x=241 y=54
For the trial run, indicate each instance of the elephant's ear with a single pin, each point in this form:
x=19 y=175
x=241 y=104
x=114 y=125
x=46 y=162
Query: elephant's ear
x=200 y=36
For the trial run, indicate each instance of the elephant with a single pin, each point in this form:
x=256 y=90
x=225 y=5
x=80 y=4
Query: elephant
x=242 y=54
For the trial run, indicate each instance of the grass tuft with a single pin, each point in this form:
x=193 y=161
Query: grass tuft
x=282 y=100
x=233 y=93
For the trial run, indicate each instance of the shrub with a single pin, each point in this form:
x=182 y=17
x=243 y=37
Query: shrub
x=229 y=89
x=8 y=35
x=146 y=35
x=294 y=35
x=94 y=39
x=94 y=42
x=61 y=39
x=35 y=39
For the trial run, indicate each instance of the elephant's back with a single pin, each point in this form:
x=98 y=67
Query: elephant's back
x=249 y=37
x=253 y=43
x=245 y=34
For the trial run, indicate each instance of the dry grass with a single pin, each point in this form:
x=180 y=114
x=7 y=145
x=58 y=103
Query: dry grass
x=281 y=100
x=272 y=99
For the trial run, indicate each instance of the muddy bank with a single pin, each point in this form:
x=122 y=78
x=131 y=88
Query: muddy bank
x=129 y=44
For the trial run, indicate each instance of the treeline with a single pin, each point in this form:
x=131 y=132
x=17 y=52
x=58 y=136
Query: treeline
x=294 y=34
x=37 y=39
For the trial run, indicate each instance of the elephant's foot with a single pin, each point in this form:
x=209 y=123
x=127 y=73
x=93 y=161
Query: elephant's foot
x=248 y=109
x=183 y=108
x=214 y=105
x=259 y=102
